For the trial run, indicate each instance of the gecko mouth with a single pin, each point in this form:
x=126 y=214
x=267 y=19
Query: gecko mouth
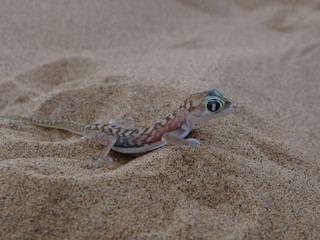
x=227 y=111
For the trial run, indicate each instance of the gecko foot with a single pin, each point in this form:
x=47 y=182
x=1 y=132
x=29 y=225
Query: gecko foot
x=96 y=162
x=110 y=164
x=192 y=142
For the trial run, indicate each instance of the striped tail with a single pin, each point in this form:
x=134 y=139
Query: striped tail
x=64 y=124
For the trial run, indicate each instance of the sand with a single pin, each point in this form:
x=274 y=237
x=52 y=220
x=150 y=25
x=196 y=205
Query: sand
x=256 y=175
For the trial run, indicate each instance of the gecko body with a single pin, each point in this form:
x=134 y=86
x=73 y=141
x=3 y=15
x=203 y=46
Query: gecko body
x=122 y=136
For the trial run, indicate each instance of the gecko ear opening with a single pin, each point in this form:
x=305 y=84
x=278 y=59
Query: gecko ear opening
x=213 y=92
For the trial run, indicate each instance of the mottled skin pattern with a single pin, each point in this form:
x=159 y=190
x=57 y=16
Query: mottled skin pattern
x=121 y=135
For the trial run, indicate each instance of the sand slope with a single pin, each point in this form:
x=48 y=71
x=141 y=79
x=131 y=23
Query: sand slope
x=256 y=174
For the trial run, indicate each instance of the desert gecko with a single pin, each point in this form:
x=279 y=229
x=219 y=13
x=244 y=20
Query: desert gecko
x=122 y=136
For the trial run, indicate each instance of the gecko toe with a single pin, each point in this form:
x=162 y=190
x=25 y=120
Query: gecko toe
x=96 y=162
x=192 y=142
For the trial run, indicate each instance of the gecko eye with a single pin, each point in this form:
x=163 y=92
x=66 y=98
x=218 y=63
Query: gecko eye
x=214 y=106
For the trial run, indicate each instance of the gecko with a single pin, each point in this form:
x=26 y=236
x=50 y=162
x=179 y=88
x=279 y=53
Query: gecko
x=122 y=135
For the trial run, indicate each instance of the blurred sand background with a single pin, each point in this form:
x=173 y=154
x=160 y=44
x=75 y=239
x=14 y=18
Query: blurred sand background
x=256 y=175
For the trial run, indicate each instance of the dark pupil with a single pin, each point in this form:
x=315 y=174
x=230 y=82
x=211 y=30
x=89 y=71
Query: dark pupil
x=213 y=106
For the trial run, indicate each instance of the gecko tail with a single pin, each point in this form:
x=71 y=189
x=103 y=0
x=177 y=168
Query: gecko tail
x=13 y=117
x=64 y=124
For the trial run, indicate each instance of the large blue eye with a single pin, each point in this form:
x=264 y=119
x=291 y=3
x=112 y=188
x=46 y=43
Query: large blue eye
x=214 y=105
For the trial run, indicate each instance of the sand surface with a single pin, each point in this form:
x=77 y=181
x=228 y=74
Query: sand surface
x=256 y=175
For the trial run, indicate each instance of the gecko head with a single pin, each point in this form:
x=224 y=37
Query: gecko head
x=208 y=105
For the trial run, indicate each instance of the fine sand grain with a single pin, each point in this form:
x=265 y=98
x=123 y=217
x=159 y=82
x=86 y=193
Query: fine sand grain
x=256 y=175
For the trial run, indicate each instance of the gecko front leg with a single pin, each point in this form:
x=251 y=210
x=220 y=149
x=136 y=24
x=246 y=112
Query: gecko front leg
x=176 y=138
x=107 y=141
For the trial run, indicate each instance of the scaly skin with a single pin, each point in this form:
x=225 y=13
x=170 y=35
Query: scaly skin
x=121 y=136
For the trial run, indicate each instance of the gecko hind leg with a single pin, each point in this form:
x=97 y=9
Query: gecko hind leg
x=127 y=123
x=107 y=142
x=176 y=138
